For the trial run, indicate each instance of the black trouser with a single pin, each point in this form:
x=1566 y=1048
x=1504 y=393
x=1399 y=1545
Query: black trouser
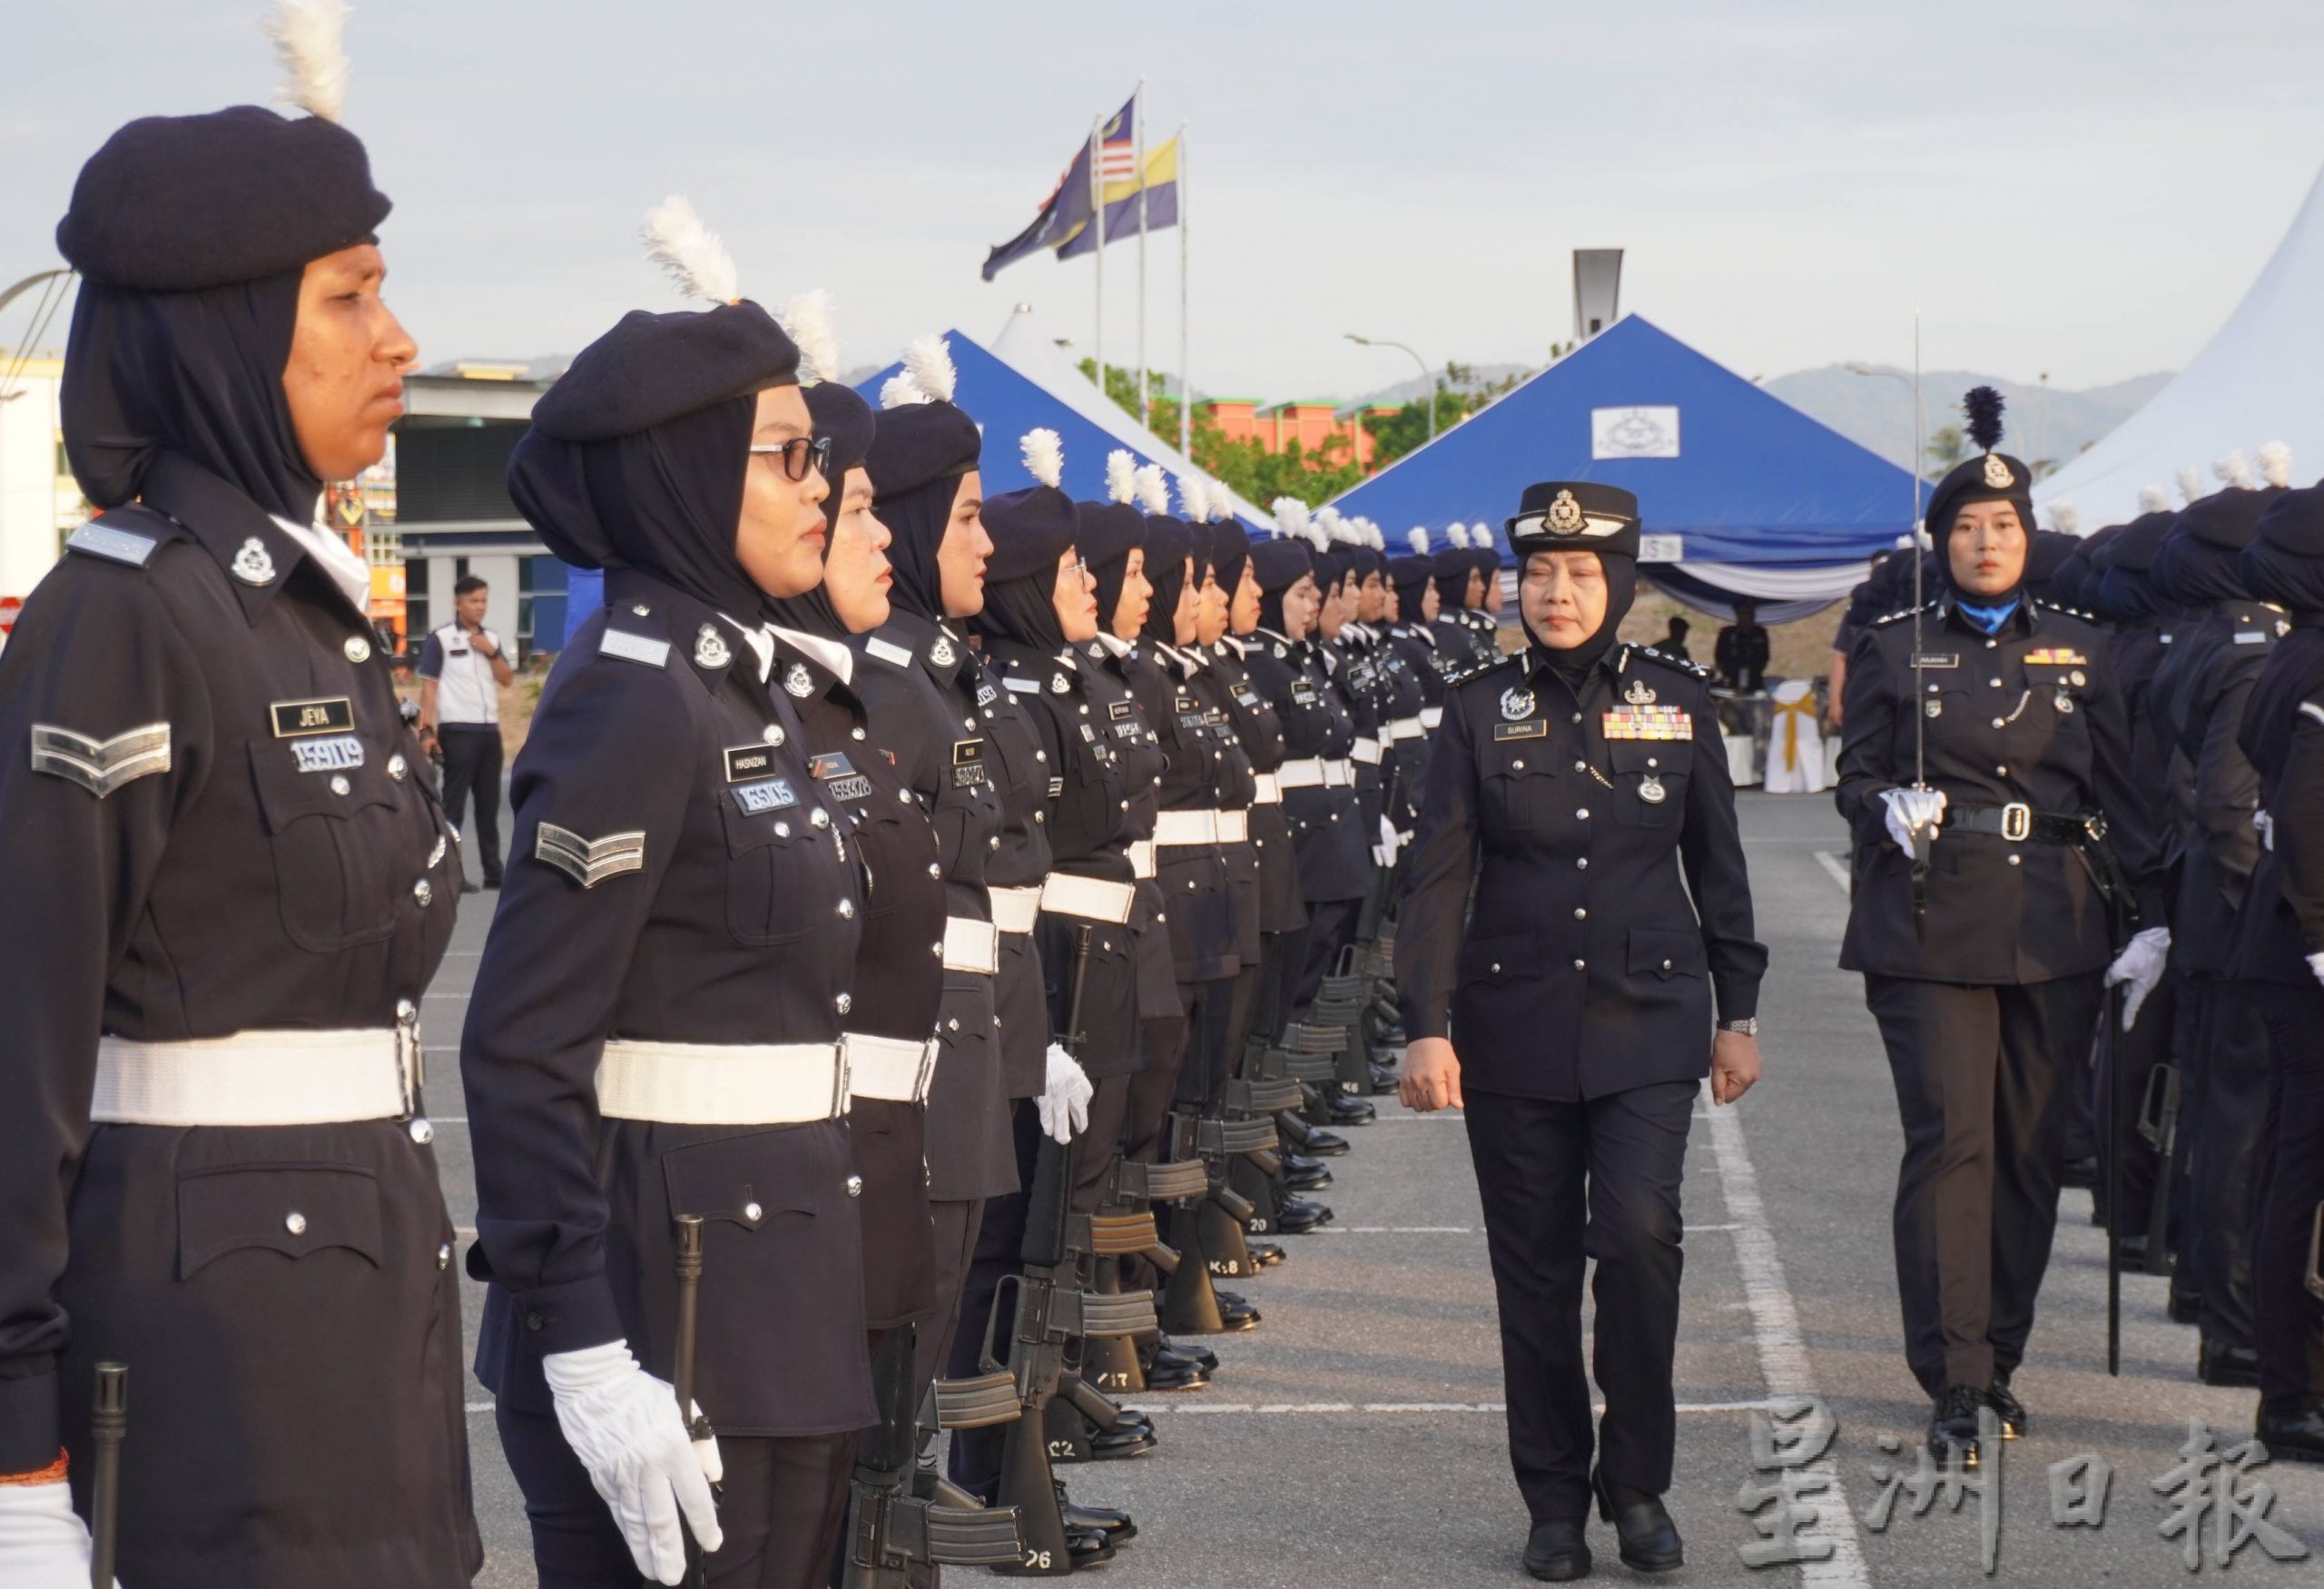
x=2289 y=1318
x=1562 y=1184
x=2224 y=1169
x=958 y=1226
x=975 y=1460
x=472 y=761
x=1983 y=1074
x=1314 y=949
x=781 y=1507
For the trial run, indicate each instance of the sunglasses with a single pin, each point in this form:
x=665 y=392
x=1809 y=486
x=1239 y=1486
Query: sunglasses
x=799 y=454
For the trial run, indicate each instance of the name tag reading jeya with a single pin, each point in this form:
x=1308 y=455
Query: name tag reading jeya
x=838 y=775
x=1646 y=723
x=293 y=718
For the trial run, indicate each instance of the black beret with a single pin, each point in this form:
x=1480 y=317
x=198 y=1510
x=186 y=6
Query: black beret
x=1280 y=562
x=651 y=368
x=1331 y=564
x=1030 y=528
x=2225 y=519
x=2294 y=522
x=179 y=203
x=1105 y=532
x=2047 y=556
x=2285 y=561
x=2134 y=549
x=1168 y=540
x=1452 y=563
x=1230 y=549
x=1411 y=568
x=917 y=444
x=842 y=418
x=1992 y=477
x=1574 y=515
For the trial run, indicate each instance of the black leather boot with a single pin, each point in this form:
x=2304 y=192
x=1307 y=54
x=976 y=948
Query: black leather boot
x=1648 y=1540
x=1556 y=1553
x=1953 y=1425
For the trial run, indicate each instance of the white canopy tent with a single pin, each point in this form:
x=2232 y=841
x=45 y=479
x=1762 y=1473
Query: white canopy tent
x=2261 y=379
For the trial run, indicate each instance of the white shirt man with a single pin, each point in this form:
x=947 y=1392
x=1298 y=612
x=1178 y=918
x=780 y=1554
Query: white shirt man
x=462 y=667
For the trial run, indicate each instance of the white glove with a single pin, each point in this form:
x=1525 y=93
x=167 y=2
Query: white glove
x=43 y=1544
x=1912 y=808
x=2315 y=964
x=624 y=1425
x=1064 y=1102
x=2141 y=965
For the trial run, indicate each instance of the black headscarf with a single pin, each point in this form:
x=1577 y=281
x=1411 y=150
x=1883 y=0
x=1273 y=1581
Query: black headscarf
x=666 y=501
x=196 y=373
x=1023 y=609
x=917 y=519
x=845 y=419
x=1167 y=549
x=1621 y=590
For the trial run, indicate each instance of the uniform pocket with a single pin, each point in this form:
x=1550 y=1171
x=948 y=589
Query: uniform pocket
x=1649 y=780
x=339 y=847
x=1663 y=952
x=294 y=1209
x=748 y=1180
x=1502 y=959
x=771 y=864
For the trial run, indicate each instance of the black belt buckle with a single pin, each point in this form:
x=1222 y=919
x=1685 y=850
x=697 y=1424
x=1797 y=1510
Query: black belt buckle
x=2016 y=822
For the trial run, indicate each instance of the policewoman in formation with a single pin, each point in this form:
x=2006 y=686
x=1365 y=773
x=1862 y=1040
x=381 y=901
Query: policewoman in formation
x=658 y=1016
x=2278 y=963
x=228 y=883
x=1986 y=755
x=1580 y=787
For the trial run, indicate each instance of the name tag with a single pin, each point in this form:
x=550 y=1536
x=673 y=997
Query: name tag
x=746 y=762
x=838 y=775
x=1118 y=710
x=293 y=718
x=968 y=762
x=987 y=695
x=1246 y=699
x=1537 y=729
x=1938 y=659
x=336 y=754
x=768 y=794
x=1127 y=730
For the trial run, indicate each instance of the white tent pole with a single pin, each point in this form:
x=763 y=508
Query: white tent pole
x=1186 y=388
x=1097 y=219
x=1138 y=125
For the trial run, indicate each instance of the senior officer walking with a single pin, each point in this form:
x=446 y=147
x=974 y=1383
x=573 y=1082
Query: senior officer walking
x=227 y=884
x=1989 y=729
x=1581 y=785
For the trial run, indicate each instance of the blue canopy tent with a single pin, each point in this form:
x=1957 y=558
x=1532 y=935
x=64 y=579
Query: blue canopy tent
x=1743 y=496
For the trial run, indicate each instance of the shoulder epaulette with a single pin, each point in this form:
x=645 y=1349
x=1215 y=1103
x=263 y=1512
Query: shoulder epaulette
x=888 y=651
x=2072 y=612
x=1885 y=619
x=97 y=539
x=1482 y=668
x=631 y=647
x=1675 y=664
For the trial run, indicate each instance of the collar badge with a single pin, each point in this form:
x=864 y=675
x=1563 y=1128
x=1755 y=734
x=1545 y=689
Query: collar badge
x=798 y=682
x=710 y=648
x=1516 y=704
x=942 y=652
x=253 y=564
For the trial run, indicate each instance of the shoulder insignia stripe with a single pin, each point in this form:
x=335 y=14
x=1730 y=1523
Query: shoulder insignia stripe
x=101 y=766
x=2310 y=709
x=119 y=546
x=1023 y=686
x=888 y=651
x=589 y=861
x=634 y=648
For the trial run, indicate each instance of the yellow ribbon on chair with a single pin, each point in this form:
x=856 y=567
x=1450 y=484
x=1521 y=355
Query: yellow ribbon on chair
x=1793 y=713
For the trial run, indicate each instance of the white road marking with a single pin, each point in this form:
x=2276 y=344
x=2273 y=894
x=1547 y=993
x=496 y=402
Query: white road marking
x=1782 y=1348
x=1835 y=871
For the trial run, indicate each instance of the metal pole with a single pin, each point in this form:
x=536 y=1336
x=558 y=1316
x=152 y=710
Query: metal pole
x=687 y=1259
x=1186 y=387
x=1137 y=129
x=1097 y=220
x=108 y=1426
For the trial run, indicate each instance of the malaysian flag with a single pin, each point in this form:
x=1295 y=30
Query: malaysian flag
x=1067 y=212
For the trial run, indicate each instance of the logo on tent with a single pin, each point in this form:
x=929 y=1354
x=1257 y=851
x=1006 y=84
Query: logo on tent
x=1648 y=432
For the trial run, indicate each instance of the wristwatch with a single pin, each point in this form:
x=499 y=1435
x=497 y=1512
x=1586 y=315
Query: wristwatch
x=1748 y=1026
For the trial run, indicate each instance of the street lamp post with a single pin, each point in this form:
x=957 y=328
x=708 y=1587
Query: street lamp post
x=1427 y=374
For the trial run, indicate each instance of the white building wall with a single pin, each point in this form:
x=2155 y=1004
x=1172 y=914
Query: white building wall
x=29 y=504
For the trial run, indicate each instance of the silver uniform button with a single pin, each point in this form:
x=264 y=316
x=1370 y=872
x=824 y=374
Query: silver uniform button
x=934 y=870
x=855 y=1186
x=422 y=891
x=772 y=733
x=338 y=784
x=1582 y=965
x=855 y=732
x=397 y=767
x=2016 y=861
x=752 y=1211
x=1666 y=965
x=1581 y=913
x=847 y=910
x=444 y=1256
x=295 y=1222
x=843 y=1003
x=358 y=648
x=406 y=1009
x=820 y=818
x=1518 y=766
x=423 y=1129
x=781 y=830
x=1581 y=864
x=1583 y=815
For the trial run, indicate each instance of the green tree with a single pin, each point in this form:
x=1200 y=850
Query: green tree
x=1946 y=447
x=1247 y=468
x=1458 y=394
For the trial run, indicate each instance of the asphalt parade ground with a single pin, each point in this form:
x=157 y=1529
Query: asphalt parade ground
x=1355 y=1439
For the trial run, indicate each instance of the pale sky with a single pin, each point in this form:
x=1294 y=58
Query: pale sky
x=2060 y=185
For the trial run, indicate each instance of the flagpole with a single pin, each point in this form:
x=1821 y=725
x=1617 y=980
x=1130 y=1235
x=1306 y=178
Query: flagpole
x=1186 y=390
x=1097 y=219
x=1145 y=414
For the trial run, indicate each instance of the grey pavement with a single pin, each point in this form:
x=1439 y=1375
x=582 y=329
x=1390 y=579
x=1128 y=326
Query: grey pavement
x=1355 y=1439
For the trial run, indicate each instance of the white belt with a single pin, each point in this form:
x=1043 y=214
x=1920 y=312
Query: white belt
x=251 y=1078
x=1234 y=827
x=1093 y=898
x=888 y=1067
x=1014 y=909
x=722 y=1084
x=1315 y=773
x=1141 y=858
x=1367 y=750
x=1173 y=828
x=971 y=945
x=1432 y=718
x=1406 y=728
x=1267 y=790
